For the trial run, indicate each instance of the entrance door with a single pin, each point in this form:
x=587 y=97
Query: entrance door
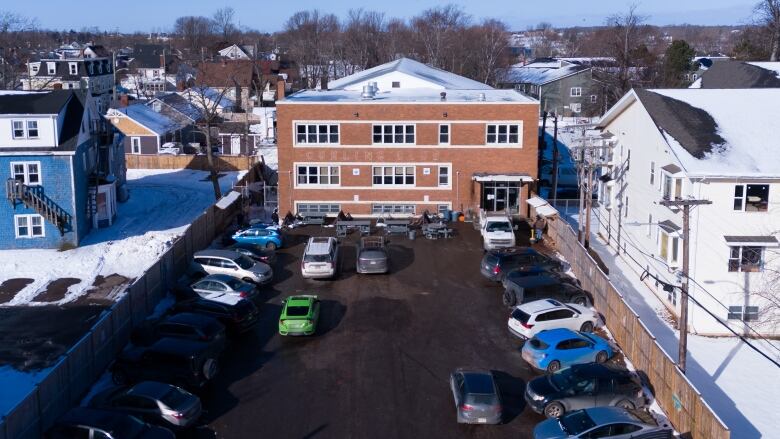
x=500 y=199
x=235 y=145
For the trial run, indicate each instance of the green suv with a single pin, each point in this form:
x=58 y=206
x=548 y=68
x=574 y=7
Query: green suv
x=299 y=315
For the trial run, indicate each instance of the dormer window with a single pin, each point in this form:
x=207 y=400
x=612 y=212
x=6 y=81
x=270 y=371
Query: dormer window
x=35 y=68
x=52 y=68
x=32 y=129
x=73 y=67
x=18 y=127
x=671 y=182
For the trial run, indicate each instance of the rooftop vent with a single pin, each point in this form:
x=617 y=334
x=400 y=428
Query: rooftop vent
x=443 y=95
x=481 y=97
x=374 y=86
x=368 y=92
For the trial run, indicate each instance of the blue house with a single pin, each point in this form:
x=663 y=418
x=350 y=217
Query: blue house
x=61 y=168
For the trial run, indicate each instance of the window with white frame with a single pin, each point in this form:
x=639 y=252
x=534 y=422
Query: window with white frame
x=393 y=134
x=669 y=247
x=387 y=208
x=135 y=145
x=35 y=68
x=444 y=175
x=28 y=173
x=18 y=129
x=319 y=175
x=28 y=226
x=51 y=68
x=442 y=209
x=393 y=175
x=575 y=92
x=746 y=259
x=503 y=134
x=594 y=99
x=444 y=134
x=323 y=208
x=32 y=129
x=73 y=68
x=751 y=197
x=671 y=187
x=316 y=134
x=576 y=108
x=736 y=313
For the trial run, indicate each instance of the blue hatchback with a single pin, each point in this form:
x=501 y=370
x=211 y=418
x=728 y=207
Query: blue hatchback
x=266 y=238
x=554 y=349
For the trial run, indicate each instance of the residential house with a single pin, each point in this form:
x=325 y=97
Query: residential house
x=237 y=52
x=403 y=138
x=567 y=88
x=739 y=74
x=155 y=68
x=62 y=169
x=175 y=102
x=706 y=144
x=237 y=81
x=236 y=138
x=92 y=74
x=209 y=100
x=148 y=128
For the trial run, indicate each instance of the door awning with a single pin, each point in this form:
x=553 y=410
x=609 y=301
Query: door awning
x=541 y=206
x=482 y=177
x=227 y=200
x=752 y=241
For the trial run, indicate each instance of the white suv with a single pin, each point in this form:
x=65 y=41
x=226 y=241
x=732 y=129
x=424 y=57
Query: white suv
x=533 y=317
x=320 y=258
x=497 y=232
x=233 y=264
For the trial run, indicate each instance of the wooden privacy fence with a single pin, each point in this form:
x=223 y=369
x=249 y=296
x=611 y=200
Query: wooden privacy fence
x=684 y=405
x=222 y=163
x=74 y=374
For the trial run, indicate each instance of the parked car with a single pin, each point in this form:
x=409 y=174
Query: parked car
x=584 y=386
x=496 y=264
x=231 y=263
x=530 y=318
x=260 y=254
x=84 y=423
x=603 y=422
x=238 y=315
x=554 y=349
x=497 y=232
x=372 y=256
x=525 y=289
x=153 y=402
x=222 y=284
x=185 y=363
x=264 y=237
x=187 y=326
x=320 y=258
x=300 y=315
x=518 y=275
x=477 y=399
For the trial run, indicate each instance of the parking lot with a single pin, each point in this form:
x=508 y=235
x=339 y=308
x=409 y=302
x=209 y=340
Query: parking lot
x=380 y=362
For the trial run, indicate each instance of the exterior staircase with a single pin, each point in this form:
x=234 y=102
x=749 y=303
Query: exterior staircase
x=33 y=198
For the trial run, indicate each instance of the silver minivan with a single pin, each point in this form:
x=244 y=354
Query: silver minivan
x=320 y=258
x=233 y=264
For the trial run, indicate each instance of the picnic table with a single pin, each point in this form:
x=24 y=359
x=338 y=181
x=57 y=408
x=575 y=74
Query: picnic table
x=396 y=226
x=436 y=231
x=344 y=226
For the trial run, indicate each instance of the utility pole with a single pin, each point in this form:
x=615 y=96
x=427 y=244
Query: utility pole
x=555 y=160
x=686 y=208
x=592 y=155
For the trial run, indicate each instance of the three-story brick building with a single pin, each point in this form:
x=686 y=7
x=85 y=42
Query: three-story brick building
x=402 y=138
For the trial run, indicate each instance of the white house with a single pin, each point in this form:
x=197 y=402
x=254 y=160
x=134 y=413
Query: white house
x=716 y=145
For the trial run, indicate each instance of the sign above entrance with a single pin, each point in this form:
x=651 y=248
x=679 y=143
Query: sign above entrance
x=523 y=178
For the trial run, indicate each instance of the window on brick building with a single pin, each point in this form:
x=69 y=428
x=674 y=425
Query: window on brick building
x=393 y=134
x=317 y=133
x=316 y=174
x=393 y=175
x=503 y=134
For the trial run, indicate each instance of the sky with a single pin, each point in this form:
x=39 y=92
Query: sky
x=269 y=16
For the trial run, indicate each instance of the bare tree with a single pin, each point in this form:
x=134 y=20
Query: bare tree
x=436 y=31
x=311 y=39
x=623 y=31
x=767 y=13
x=194 y=31
x=490 y=55
x=363 y=37
x=223 y=22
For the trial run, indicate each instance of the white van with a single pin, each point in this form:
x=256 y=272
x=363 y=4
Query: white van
x=320 y=258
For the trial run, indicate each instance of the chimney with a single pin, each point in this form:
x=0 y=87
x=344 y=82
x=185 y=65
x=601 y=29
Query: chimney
x=162 y=61
x=279 y=88
x=324 y=83
x=123 y=100
x=56 y=86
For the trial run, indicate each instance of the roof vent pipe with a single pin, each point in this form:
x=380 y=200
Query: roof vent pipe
x=482 y=97
x=443 y=95
x=374 y=86
x=368 y=92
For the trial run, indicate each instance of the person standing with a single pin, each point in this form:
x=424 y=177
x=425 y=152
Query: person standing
x=539 y=225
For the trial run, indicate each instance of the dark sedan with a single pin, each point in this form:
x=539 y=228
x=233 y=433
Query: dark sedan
x=255 y=252
x=496 y=264
x=188 y=326
x=83 y=422
x=154 y=402
x=238 y=316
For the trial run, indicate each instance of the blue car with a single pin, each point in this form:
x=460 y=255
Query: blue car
x=554 y=349
x=266 y=238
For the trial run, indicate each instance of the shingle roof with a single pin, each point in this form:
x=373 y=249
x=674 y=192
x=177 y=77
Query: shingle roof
x=182 y=105
x=414 y=68
x=159 y=123
x=34 y=103
x=735 y=74
x=226 y=73
x=540 y=73
x=148 y=56
x=62 y=68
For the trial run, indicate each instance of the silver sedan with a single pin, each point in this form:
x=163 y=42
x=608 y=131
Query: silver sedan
x=215 y=285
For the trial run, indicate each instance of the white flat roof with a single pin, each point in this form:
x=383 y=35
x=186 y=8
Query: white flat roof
x=410 y=96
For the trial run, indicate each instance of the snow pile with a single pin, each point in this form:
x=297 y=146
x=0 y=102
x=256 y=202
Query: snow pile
x=162 y=204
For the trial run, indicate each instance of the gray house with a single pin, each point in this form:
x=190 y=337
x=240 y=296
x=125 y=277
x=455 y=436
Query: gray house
x=564 y=87
x=738 y=74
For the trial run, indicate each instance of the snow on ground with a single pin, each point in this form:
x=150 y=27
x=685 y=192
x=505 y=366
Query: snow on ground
x=162 y=204
x=270 y=154
x=741 y=386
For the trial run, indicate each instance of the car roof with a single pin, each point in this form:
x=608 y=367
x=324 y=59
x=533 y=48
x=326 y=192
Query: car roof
x=552 y=336
x=151 y=389
x=319 y=245
x=511 y=251
x=223 y=299
x=540 y=306
x=477 y=381
x=537 y=280
x=608 y=415
x=229 y=254
x=218 y=277
x=106 y=420
x=190 y=318
x=300 y=300
x=600 y=370
x=181 y=346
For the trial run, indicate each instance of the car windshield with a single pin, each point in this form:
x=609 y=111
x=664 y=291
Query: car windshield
x=481 y=399
x=520 y=316
x=372 y=254
x=234 y=284
x=498 y=226
x=316 y=258
x=244 y=262
x=297 y=311
x=562 y=379
x=576 y=422
x=175 y=397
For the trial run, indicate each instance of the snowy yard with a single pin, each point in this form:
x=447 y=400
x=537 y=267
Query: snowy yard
x=162 y=204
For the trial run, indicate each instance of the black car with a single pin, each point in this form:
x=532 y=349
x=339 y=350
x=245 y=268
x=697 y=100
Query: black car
x=156 y=403
x=255 y=252
x=584 y=386
x=84 y=423
x=185 y=363
x=496 y=264
x=188 y=326
x=238 y=317
x=528 y=288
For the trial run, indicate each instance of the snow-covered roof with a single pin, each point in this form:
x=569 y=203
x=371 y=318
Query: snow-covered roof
x=540 y=73
x=767 y=65
x=158 y=123
x=194 y=95
x=437 y=77
x=408 y=95
x=715 y=133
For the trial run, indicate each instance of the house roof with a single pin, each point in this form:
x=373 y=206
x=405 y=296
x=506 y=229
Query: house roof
x=34 y=102
x=748 y=240
x=714 y=133
x=158 y=123
x=447 y=80
x=736 y=74
x=409 y=95
x=180 y=104
x=226 y=73
x=62 y=68
x=147 y=56
x=193 y=95
x=540 y=72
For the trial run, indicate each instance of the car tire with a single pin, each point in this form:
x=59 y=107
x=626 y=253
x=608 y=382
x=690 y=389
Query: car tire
x=119 y=377
x=625 y=404
x=586 y=327
x=509 y=298
x=210 y=368
x=580 y=300
x=553 y=366
x=601 y=357
x=554 y=409
x=271 y=246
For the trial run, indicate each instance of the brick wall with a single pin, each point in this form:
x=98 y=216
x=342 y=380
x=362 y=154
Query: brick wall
x=356 y=151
